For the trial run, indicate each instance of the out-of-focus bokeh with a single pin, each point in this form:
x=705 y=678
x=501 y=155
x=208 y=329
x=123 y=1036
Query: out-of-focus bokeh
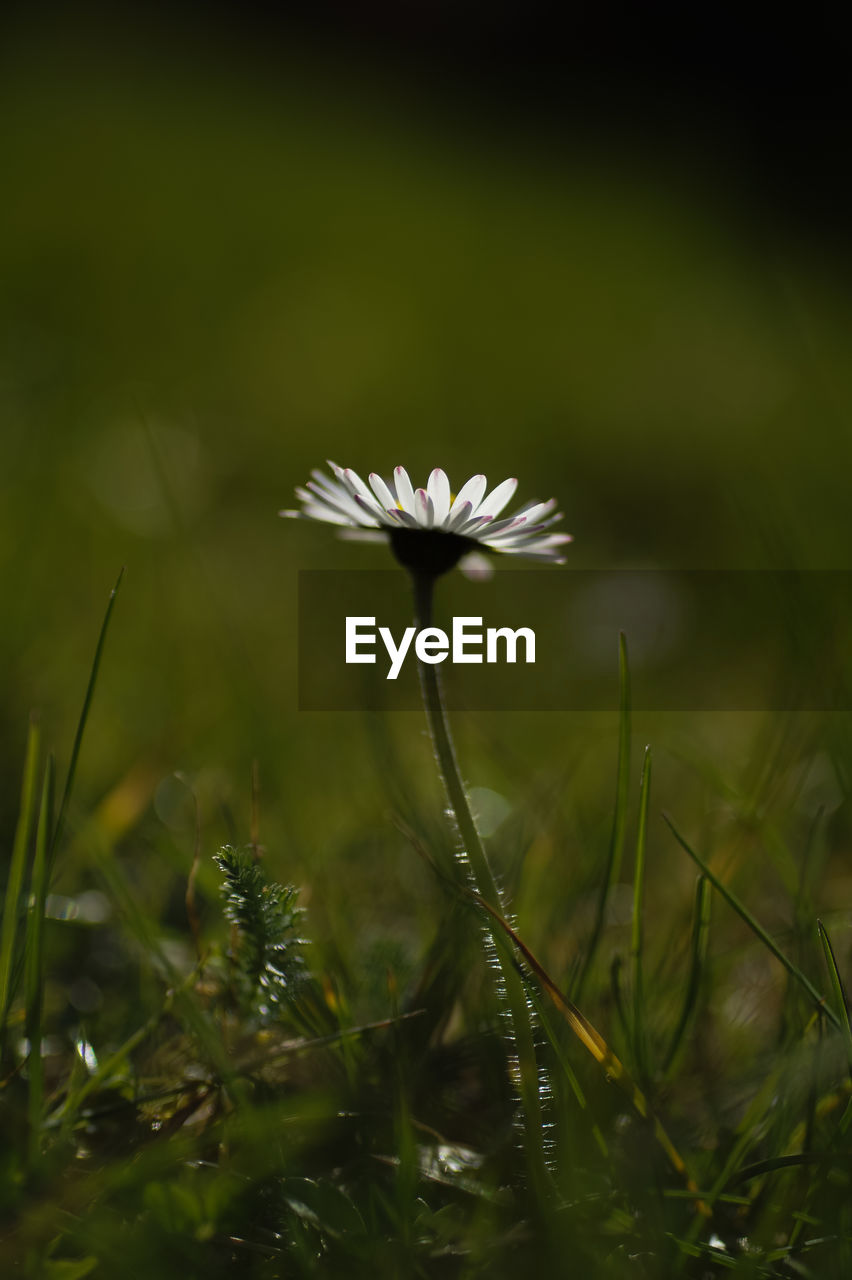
x=234 y=245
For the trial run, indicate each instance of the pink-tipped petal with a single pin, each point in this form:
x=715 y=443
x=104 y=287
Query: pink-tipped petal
x=404 y=490
x=370 y=513
x=423 y=509
x=473 y=526
x=438 y=489
x=404 y=518
x=358 y=489
x=382 y=492
x=503 y=526
x=458 y=516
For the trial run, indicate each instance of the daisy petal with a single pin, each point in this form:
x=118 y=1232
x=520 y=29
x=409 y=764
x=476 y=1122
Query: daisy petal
x=525 y=533
x=382 y=492
x=458 y=516
x=530 y=506
x=332 y=486
x=497 y=499
x=537 y=540
x=554 y=540
x=404 y=490
x=438 y=489
x=551 y=557
x=366 y=515
x=503 y=526
x=533 y=532
x=339 y=500
x=471 y=491
x=329 y=489
x=403 y=518
x=314 y=511
x=358 y=489
x=470 y=529
x=476 y=566
x=424 y=509
x=532 y=514
x=362 y=535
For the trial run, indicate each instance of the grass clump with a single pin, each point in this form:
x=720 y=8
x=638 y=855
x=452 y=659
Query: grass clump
x=230 y=1109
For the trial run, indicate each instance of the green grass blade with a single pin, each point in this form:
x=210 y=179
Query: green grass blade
x=837 y=988
x=756 y=928
x=751 y=1130
x=110 y=1066
x=617 y=998
x=576 y=1088
x=594 y=1043
x=843 y=1008
x=619 y=821
x=185 y=1004
x=700 y=935
x=81 y=723
x=640 y=1039
x=34 y=961
x=23 y=832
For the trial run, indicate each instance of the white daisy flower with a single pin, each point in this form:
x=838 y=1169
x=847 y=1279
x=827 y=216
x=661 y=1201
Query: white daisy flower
x=430 y=530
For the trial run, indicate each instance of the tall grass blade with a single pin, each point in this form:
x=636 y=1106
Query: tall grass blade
x=640 y=1039
x=568 y=1071
x=34 y=961
x=756 y=928
x=594 y=1043
x=837 y=988
x=698 y=959
x=751 y=1129
x=843 y=1008
x=17 y=866
x=81 y=724
x=616 y=844
x=185 y=1004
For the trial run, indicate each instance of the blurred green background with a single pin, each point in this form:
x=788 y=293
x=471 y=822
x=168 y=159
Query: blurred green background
x=222 y=262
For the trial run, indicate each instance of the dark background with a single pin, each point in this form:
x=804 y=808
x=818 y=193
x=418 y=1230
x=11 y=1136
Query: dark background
x=609 y=255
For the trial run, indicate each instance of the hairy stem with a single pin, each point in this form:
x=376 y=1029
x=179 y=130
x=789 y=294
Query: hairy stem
x=471 y=843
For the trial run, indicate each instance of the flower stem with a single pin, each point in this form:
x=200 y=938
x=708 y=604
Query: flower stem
x=519 y=1008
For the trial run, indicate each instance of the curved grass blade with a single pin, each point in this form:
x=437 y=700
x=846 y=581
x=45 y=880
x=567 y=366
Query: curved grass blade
x=819 y=1158
x=698 y=959
x=569 y=1072
x=842 y=1005
x=108 y=1068
x=640 y=1038
x=837 y=987
x=17 y=866
x=34 y=962
x=81 y=724
x=616 y=844
x=749 y=1131
x=594 y=1043
x=187 y=1008
x=756 y=928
